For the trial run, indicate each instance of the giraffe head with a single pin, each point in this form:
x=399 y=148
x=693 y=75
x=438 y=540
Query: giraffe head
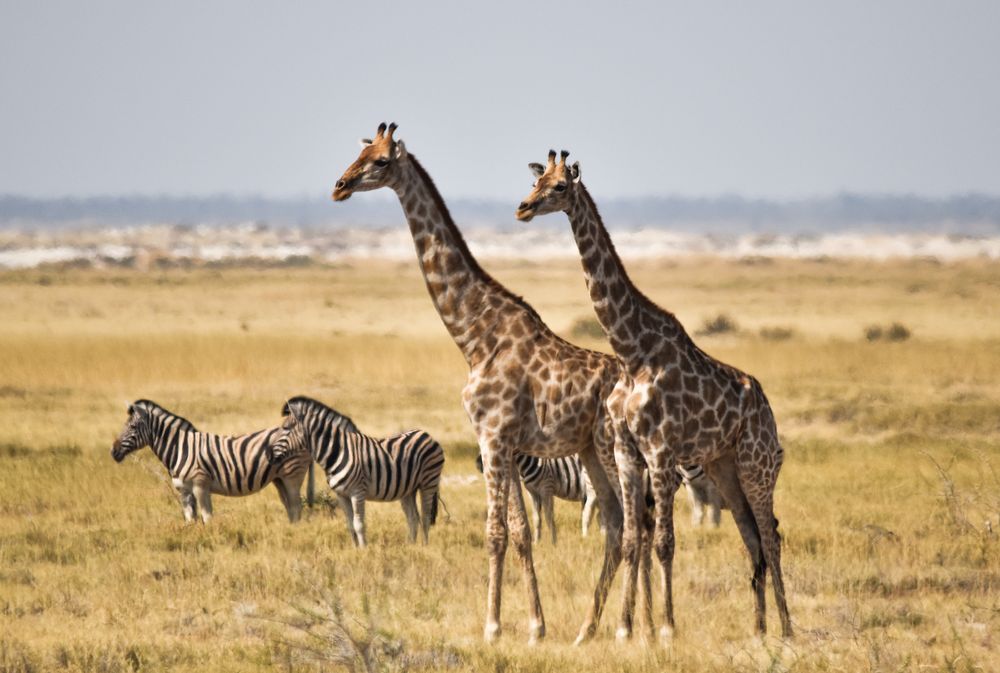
x=376 y=166
x=553 y=187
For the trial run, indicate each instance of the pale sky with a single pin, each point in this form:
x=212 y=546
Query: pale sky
x=764 y=99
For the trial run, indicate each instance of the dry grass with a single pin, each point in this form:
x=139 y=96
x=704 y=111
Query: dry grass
x=893 y=450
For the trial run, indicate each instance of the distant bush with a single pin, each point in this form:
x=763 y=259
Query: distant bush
x=894 y=332
x=776 y=333
x=720 y=324
x=587 y=328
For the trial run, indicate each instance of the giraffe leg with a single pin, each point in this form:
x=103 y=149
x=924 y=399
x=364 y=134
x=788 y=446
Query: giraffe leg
x=761 y=499
x=723 y=472
x=645 y=584
x=496 y=472
x=611 y=510
x=630 y=466
x=520 y=533
x=665 y=482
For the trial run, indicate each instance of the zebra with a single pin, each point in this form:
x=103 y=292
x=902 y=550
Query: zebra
x=548 y=478
x=702 y=494
x=360 y=468
x=201 y=464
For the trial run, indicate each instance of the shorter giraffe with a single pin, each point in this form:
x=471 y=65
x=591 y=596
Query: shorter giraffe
x=673 y=405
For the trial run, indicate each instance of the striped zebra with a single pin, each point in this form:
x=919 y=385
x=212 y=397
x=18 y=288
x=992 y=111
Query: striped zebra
x=360 y=468
x=201 y=464
x=548 y=478
x=702 y=494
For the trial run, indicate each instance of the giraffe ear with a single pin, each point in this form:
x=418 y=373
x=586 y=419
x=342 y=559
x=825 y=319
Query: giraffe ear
x=536 y=169
x=574 y=171
x=400 y=149
x=365 y=142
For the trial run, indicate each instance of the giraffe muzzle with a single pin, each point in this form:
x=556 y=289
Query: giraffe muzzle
x=525 y=211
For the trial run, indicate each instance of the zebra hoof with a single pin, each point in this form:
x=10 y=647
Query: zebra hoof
x=536 y=632
x=623 y=634
x=666 y=635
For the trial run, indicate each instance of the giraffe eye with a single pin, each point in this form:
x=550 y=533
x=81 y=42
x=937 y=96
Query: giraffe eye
x=381 y=163
x=561 y=187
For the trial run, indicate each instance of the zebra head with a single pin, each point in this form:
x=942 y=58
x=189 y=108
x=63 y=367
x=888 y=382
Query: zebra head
x=291 y=439
x=136 y=434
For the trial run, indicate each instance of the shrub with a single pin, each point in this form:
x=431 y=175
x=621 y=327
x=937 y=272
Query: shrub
x=894 y=332
x=776 y=333
x=720 y=324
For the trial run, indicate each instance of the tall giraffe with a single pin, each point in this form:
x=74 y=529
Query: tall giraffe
x=528 y=390
x=674 y=404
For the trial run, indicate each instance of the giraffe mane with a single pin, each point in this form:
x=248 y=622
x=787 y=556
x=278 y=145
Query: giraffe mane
x=464 y=248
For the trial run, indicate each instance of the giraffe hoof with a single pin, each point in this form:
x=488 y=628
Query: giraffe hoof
x=491 y=632
x=587 y=632
x=623 y=634
x=536 y=633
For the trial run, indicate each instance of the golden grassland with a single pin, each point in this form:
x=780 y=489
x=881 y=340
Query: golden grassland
x=891 y=474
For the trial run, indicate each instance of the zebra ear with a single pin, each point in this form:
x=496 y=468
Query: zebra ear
x=284 y=409
x=130 y=409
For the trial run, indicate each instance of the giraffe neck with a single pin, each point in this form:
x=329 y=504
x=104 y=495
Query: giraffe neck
x=626 y=314
x=470 y=302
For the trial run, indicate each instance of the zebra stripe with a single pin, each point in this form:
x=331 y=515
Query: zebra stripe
x=202 y=463
x=360 y=468
x=547 y=478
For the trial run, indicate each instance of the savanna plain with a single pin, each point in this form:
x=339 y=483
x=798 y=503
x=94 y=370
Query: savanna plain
x=889 y=498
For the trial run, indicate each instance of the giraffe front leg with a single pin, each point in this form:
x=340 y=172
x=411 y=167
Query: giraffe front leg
x=665 y=481
x=496 y=472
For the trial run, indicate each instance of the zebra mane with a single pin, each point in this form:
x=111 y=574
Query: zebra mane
x=185 y=424
x=328 y=413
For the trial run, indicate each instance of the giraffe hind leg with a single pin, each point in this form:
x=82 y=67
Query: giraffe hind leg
x=724 y=473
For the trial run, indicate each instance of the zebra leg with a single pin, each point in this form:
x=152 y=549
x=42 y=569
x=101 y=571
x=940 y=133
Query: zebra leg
x=409 y=503
x=589 y=508
x=428 y=508
x=697 y=506
x=188 y=503
x=290 y=490
x=550 y=517
x=345 y=504
x=536 y=515
x=203 y=495
x=358 y=502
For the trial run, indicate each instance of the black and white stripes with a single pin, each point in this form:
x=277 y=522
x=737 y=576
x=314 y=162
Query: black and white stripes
x=360 y=468
x=202 y=463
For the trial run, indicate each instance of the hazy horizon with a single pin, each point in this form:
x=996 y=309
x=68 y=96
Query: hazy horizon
x=777 y=100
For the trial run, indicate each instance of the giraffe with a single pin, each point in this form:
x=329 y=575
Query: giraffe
x=673 y=404
x=528 y=390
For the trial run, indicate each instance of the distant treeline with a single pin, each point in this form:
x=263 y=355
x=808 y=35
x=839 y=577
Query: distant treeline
x=969 y=213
